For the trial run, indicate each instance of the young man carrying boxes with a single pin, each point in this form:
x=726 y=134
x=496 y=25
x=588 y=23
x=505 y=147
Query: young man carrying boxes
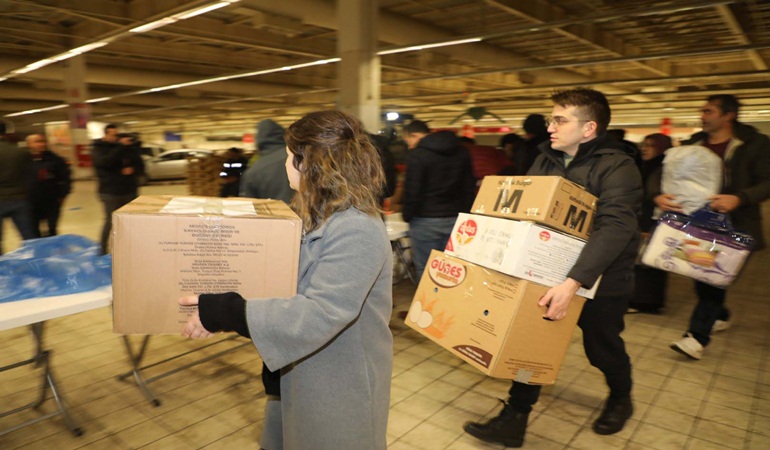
x=580 y=151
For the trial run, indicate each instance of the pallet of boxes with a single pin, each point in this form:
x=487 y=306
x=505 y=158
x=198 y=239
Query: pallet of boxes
x=203 y=175
x=479 y=298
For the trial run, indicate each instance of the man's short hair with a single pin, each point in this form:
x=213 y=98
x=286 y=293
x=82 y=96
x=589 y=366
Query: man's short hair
x=728 y=103
x=592 y=105
x=416 y=126
x=110 y=126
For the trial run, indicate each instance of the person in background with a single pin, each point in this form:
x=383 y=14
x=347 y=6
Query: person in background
x=580 y=151
x=331 y=341
x=535 y=132
x=620 y=136
x=650 y=288
x=511 y=145
x=746 y=155
x=15 y=165
x=118 y=163
x=50 y=183
x=381 y=142
x=266 y=178
x=232 y=169
x=485 y=159
x=438 y=185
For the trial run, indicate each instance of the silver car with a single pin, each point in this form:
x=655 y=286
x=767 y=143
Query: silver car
x=172 y=164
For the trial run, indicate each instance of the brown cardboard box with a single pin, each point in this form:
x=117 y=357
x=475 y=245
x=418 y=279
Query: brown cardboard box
x=521 y=249
x=491 y=320
x=166 y=247
x=550 y=200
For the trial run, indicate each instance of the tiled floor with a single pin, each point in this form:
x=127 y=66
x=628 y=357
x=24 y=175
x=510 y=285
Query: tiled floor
x=722 y=401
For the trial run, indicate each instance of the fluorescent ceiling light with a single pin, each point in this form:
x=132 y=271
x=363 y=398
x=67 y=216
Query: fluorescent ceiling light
x=152 y=25
x=391 y=116
x=202 y=10
x=181 y=16
x=97 y=100
x=35 y=111
x=425 y=46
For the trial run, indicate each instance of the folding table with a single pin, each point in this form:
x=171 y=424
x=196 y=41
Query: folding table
x=34 y=312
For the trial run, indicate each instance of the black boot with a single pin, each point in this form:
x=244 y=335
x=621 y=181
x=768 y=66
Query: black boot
x=614 y=416
x=507 y=428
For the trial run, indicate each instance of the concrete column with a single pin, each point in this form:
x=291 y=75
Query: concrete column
x=359 y=68
x=76 y=94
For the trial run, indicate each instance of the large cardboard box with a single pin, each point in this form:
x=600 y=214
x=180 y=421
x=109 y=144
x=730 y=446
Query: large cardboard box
x=521 y=249
x=166 y=247
x=491 y=320
x=549 y=200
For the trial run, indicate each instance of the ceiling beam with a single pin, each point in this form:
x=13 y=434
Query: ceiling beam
x=732 y=24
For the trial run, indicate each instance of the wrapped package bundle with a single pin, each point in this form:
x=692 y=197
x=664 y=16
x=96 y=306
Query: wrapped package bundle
x=702 y=246
x=693 y=174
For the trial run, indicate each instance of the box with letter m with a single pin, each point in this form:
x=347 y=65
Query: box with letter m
x=549 y=200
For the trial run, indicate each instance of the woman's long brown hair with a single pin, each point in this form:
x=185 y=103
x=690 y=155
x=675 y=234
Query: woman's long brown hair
x=339 y=165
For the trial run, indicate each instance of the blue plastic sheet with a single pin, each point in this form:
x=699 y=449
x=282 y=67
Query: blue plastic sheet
x=57 y=265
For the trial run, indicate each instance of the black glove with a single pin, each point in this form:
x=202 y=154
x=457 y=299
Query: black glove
x=223 y=312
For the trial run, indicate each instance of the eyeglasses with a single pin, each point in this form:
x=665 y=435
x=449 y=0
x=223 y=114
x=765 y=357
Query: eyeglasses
x=559 y=121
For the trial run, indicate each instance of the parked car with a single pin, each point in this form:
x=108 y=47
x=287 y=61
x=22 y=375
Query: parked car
x=149 y=152
x=171 y=164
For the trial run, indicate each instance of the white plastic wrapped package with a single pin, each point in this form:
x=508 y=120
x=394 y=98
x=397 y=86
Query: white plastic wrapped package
x=709 y=253
x=693 y=174
x=53 y=266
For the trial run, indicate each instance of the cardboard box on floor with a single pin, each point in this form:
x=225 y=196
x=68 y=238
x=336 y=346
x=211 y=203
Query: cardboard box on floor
x=491 y=320
x=166 y=247
x=518 y=248
x=550 y=200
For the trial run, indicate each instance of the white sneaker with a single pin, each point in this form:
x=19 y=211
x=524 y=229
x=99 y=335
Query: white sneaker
x=721 y=325
x=689 y=347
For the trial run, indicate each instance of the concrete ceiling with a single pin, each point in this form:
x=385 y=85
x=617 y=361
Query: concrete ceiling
x=654 y=59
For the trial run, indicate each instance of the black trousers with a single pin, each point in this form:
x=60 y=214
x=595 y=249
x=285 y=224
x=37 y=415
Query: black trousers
x=111 y=203
x=47 y=209
x=271 y=381
x=710 y=308
x=602 y=322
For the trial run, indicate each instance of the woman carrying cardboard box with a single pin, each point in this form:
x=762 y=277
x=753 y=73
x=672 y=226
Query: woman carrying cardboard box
x=331 y=341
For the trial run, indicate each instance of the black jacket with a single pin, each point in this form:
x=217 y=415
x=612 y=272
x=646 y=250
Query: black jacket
x=652 y=173
x=747 y=175
x=439 y=178
x=14 y=168
x=109 y=159
x=606 y=170
x=50 y=178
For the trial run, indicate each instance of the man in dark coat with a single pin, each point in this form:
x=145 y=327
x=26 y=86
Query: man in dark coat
x=50 y=183
x=15 y=163
x=438 y=185
x=580 y=151
x=118 y=163
x=746 y=155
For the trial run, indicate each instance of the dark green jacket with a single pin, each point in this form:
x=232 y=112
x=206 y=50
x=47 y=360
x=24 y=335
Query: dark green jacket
x=747 y=175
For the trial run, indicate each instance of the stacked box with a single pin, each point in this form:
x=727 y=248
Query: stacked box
x=491 y=320
x=489 y=293
x=203 y=175
x=548 y=200
x=521 y=249
x=167 y=247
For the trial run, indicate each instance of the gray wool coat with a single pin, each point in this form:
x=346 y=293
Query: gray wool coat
x=331 y=340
